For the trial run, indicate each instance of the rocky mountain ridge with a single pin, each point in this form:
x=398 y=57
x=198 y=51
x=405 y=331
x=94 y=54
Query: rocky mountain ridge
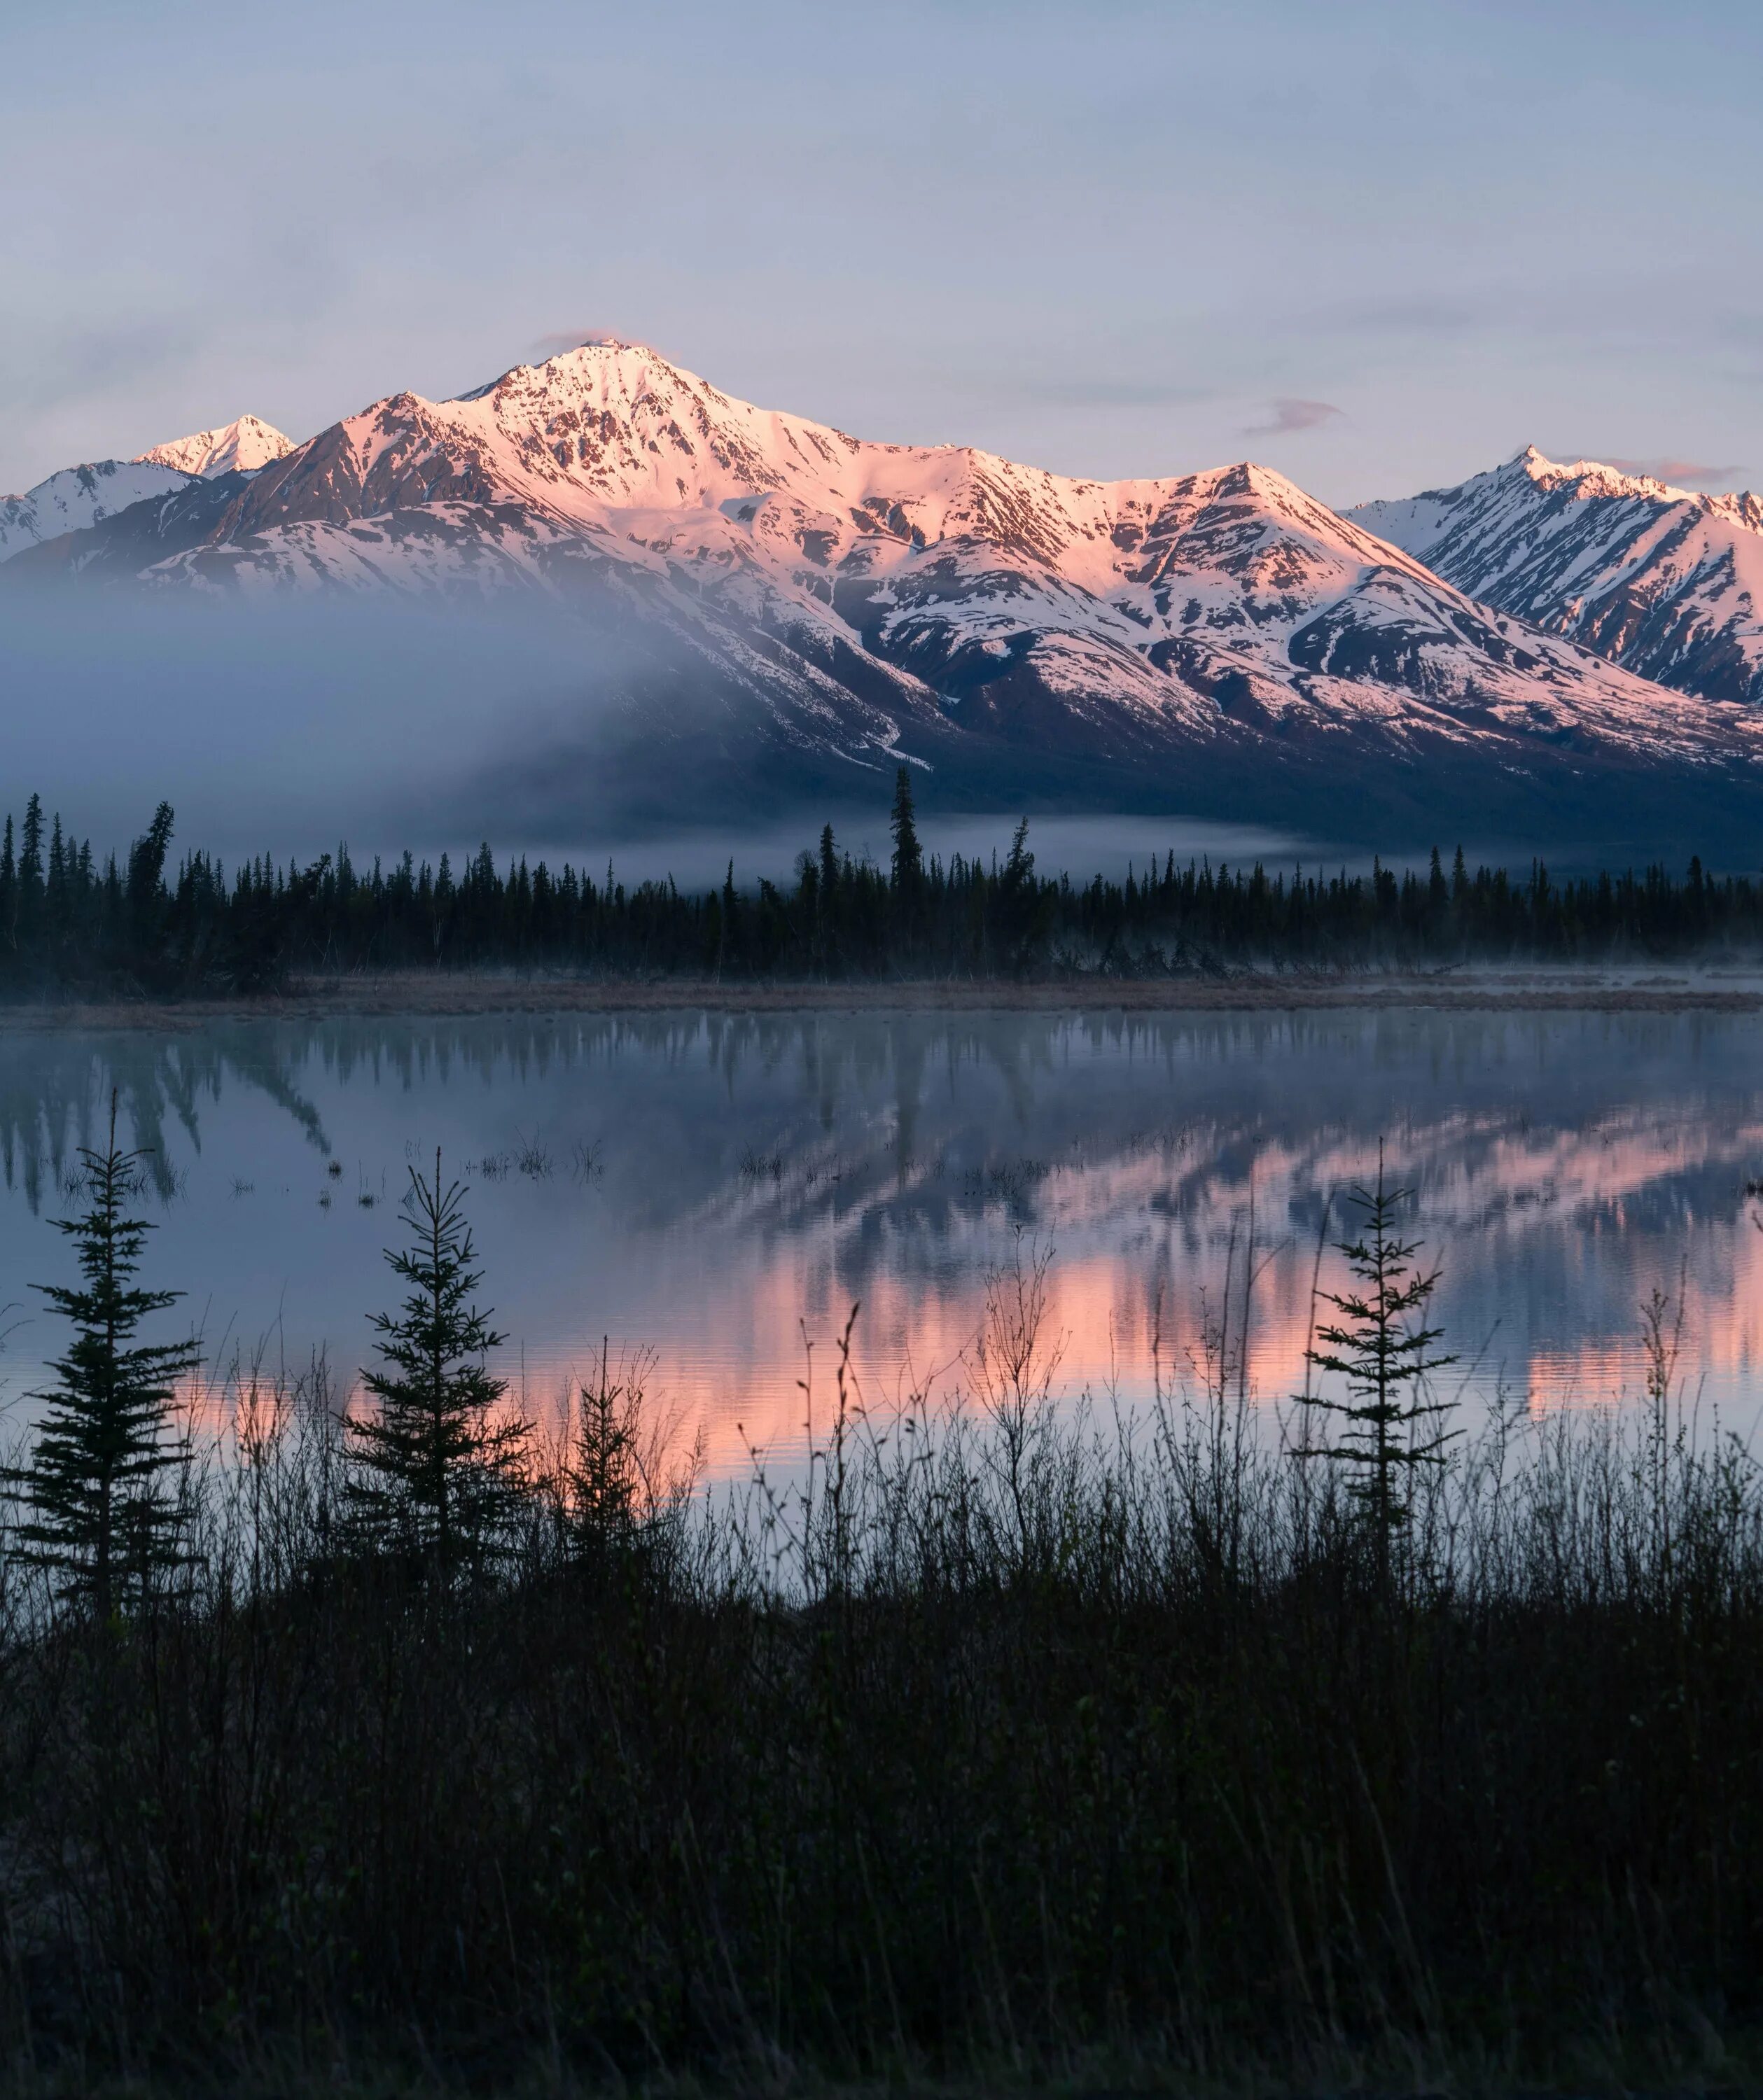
x=1218 y=636
x=1666 y=582
x=80 y=496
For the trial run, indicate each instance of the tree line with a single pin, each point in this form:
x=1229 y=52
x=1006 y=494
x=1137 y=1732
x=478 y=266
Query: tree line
x=142 y=924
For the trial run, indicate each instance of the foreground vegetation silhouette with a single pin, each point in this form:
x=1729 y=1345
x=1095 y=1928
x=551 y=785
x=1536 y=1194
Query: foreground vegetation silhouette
x=1386 y=1425
x=100 y=1515
x=998 y=1738
x=430 y=1469
x=138 y=928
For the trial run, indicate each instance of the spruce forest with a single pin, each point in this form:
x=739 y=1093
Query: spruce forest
x=144 y=924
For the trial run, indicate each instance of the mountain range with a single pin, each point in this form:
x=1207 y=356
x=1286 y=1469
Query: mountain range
x=79 y=496
x=1668 y=582
x=765 y=610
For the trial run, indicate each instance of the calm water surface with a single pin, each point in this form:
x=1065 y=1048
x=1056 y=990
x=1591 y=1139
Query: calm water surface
x=716 y=1185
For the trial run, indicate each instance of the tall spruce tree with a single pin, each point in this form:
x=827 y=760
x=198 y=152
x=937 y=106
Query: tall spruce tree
x=96 y=1484
x=435 y=1474
x=29 y=910
x=146 y=889
x=1386 y=1428
x=908 y=867
x=1020 y=906
x=9 y=890
x=826 y=927
x=907 y=876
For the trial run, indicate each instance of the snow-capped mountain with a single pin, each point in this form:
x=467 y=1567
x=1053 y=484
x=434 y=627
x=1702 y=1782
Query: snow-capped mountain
x=243 y=446
x=1210 y=636
x=1668 y=582
x=78 y=496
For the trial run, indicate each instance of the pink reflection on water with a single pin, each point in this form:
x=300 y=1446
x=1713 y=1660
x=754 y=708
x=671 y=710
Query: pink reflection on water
x=1145 y=1242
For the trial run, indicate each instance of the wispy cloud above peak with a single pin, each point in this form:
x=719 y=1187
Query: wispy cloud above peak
x=1289 y=415
x=554 y=345
x=1684 y=473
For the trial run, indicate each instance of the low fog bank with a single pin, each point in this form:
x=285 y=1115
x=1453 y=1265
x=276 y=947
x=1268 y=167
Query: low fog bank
x=1078 y=846
x=287 y=725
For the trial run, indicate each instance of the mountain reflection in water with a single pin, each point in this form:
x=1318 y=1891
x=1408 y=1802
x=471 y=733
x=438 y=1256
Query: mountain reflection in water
x=712 y=1184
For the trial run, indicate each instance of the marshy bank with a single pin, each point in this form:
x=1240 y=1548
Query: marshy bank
x=994 y=1742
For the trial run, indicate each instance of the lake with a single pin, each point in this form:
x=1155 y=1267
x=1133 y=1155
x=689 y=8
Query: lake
x=716 y=1186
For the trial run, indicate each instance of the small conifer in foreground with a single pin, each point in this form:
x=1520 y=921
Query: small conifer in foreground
x=95 y=1487
x=1389 y=1428
x=435 y=1474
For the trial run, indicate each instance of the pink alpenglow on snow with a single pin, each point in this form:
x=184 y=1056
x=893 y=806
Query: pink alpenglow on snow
x=1666 y=581
x=234 y=447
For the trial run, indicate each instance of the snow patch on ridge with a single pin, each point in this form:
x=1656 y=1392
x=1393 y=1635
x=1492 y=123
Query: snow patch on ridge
x=859 y=588
x=1666 y=582
x=242 y=446
x=79 y=496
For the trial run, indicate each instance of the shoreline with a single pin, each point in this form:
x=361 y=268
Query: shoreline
x=420 y=995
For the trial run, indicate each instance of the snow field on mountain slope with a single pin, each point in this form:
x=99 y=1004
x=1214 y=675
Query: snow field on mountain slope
x=712 y=510
x=78 y=496
x=239 y=447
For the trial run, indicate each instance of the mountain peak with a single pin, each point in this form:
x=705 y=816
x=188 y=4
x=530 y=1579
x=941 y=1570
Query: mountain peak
x=1661 y=580
x=241 y=446
x=1590 y=477
x=601 y=363
x=80 y=496
x=837 y=603
x=1533 y=464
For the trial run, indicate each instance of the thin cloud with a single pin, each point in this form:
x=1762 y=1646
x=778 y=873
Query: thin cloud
x=553 y=346
x=1290 y=415
x=1684 y=473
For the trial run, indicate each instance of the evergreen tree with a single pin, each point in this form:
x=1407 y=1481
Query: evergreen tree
x=9 y=890
x=606 y=1477
x=1018 y=899
x=434 y=1473
x=30 y=872
x=64 y=921
x=908 y=867
x=1437 y=890
x=96 y=1483
x=146 y=882
x=57 y=888
x=729 y=951
x=1389 y=1429
x=826 y=923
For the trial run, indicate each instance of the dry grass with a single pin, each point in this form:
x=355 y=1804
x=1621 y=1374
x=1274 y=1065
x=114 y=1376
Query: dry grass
x=994 y=1747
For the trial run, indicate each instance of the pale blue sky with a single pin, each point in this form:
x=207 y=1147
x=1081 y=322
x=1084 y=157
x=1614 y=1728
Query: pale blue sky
x=1107 y=238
